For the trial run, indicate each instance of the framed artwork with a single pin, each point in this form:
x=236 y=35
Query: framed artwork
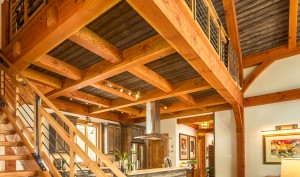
x=192 y=149
x=183 y=147
x=278 y=146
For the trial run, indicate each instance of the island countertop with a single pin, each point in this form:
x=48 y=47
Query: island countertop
x=172 y=171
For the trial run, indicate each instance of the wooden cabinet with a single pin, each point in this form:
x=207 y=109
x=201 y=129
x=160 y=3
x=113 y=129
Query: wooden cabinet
x=158 y=150
x=128 y=134
x=111 y=138
x=56 y=143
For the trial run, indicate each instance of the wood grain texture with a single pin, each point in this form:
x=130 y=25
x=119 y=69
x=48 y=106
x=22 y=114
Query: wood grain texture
x=277 y=53
x=53 y=64
x=142 y=53
x=88 y=98
x=42 y=78
x=191 y=43
x=37 y=38
x=254 y=74
x=277 y=97
x=293 y=21
x=203 y=118
x=179 y=88
x=91 y=41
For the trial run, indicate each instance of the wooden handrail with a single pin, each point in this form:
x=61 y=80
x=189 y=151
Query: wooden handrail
x=73 y=129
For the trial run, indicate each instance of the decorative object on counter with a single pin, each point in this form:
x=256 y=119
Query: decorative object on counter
x=192 y=147
x=192 y=163
x=167 y=162
x=183 y=147
x=278 y=146
x=123 y=158
x=290 y=167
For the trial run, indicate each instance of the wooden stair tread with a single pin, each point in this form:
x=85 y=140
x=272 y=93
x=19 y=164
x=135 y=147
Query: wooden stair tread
x=8 y=132
x=19 y=173
x=11 y=144
x=14 y=157
x=4 y=121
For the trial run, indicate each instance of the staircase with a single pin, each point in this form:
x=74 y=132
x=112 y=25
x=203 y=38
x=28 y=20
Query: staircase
x=15 y=159
x=25 y=125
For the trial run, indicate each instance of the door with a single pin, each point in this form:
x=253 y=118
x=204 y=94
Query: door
x=110 y=138
x=118 y=138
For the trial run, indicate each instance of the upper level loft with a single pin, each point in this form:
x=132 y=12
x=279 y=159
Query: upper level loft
x=109 y=57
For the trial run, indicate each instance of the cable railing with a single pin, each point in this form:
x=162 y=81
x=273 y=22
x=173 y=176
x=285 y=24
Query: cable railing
x=206 y=16
x=25 y=103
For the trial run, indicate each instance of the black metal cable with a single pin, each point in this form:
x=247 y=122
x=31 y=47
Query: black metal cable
x=27 y=113
x=25 y=102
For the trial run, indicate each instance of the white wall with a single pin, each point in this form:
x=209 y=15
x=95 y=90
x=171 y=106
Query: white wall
x=225 y=144
x=281 y=75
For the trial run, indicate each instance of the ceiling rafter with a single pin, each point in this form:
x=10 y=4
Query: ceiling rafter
x=254 y=74
x=144 y=52
x=158 y=81
x=62 y=68
x=57 y=66
x=179 y=88
x=184 y=113
x=293 y=20
x=277 y=97
x=196 y=119
x=276 y=53
x=38 y=38
x=91 y=41
x=42 y=78
x=173 y=17
x=202 y=102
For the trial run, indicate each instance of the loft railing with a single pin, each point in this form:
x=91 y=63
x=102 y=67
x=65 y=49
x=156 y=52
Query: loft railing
x=25 y=107
x=205 y=14
x=21 y=12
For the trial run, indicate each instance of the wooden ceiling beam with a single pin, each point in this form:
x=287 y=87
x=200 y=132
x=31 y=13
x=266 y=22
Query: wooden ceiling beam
x=88 y=98
x=111 y=90
x=191 y=112
x=202 y=102
x=76 y=108
x=187 y=98
x=37 y=38
x=149 y=50
x=179 y=88
x=94 y=43
x=276 y=53
x=254 y=74
x=293 y=23
x=178 y=27
x=192 y=125
x=151 y=77
x=233 y=31
x=42 y=78
x=277 y=97
x=201 y=118
x=158 y=81
x=129 y=110
x=57 y=66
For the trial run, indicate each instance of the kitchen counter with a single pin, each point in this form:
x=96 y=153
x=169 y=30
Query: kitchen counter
x=158 y=172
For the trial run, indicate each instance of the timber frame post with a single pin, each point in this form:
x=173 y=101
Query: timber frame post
x=240 y=139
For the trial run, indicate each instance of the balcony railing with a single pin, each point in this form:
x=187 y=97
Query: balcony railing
x=206 y=16
x=21 y=12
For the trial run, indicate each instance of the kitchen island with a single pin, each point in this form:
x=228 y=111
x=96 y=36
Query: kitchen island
x=159 y=172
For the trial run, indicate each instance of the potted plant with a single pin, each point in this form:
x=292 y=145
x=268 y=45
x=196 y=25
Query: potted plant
x=210 y=171
x=123 y=158
x=192 y=163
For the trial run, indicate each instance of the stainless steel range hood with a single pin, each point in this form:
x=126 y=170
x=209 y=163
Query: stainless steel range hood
x=152 y=122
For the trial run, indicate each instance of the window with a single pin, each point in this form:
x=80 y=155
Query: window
x=91 y=132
